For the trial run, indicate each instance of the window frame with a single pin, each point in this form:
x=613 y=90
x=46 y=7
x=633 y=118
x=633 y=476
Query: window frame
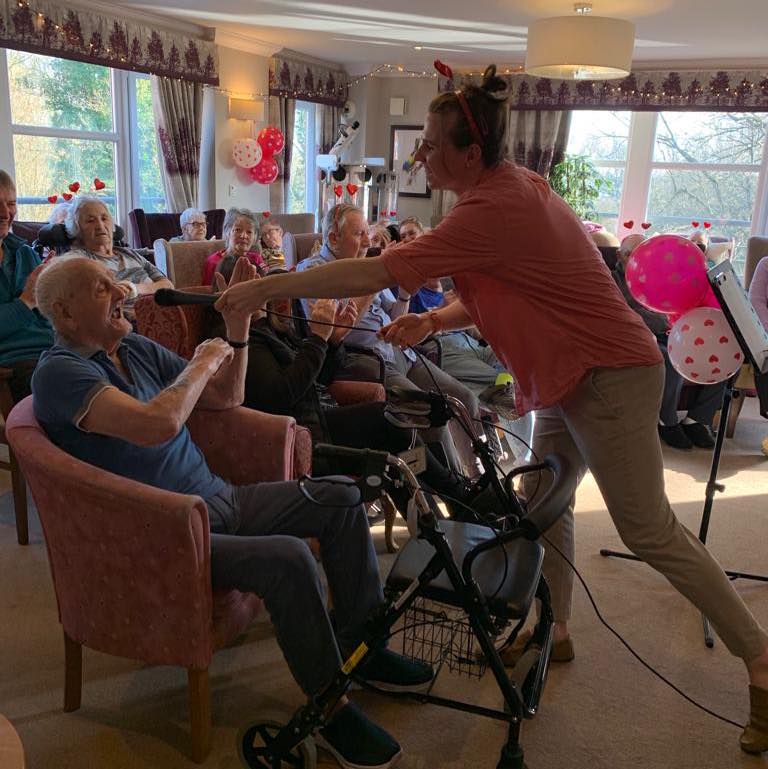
x=310 y=168
x=124 y=135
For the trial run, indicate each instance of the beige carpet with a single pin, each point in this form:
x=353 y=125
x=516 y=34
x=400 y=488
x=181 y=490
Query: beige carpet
x=601 y=711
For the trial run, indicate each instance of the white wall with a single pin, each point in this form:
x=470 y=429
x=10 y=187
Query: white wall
x=372 y=100
x=243 y=73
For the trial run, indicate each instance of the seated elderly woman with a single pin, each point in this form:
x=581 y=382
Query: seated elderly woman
x=272 y=245
x=90 y=225
x=241 y=236
x=194 y=225
x=24 y=333
x=410 y=229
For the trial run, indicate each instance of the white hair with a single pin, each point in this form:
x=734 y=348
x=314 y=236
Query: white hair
x=187 y=214
x=336 y=217
x=59 y=213
x=72 y=221
x=58 y=282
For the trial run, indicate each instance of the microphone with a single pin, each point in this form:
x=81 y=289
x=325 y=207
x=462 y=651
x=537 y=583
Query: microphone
x=170 y=297
x=373 y=251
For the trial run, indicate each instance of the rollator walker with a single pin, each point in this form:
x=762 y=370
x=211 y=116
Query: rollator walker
x=453 y=592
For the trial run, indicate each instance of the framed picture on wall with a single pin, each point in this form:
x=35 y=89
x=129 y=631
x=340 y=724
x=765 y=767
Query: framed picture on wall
x=412 y=179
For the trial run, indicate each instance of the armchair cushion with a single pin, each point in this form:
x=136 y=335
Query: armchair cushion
x=183 y=261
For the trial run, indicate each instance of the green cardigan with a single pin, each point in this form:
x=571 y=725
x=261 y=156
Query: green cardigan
x=24 y=333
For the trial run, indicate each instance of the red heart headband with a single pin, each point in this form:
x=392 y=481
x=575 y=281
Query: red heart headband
x=630 y=223
x=477 y=134
x=707 y=225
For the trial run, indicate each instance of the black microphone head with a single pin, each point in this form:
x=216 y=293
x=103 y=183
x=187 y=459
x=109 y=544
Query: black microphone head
x=165 y=297
x=373 y=251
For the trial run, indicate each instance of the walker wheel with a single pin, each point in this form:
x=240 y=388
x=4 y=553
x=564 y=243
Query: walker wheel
x=253 y=747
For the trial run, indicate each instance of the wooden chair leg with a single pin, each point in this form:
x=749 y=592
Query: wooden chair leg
x=199 y=713
x=73 y=674
x=19 y=486
x=390 y=513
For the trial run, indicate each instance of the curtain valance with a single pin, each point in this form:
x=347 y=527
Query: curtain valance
x=294 y=78
x=704 y=91
x=55 y=29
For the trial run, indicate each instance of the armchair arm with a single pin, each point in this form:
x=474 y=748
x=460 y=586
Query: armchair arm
x=246 y=446
x=348 y=392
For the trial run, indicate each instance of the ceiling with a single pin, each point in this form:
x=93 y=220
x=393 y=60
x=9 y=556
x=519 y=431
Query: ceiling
x=361 y=35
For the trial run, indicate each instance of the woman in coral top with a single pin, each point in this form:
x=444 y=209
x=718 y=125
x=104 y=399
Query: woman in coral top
x=530 y=278
x=240 y=232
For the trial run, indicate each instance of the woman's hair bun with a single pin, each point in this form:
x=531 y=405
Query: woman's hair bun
x=493 y=85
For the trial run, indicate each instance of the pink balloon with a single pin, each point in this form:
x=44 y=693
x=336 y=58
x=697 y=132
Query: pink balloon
x=266 y=172
x=667 y=273
x=703 y=348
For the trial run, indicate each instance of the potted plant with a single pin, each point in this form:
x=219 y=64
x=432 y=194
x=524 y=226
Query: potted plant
x=579 y=184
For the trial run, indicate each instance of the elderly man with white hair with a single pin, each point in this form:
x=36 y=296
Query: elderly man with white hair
x=89 y=224
x=194 y=225
x=120 y=401
x=345 y=236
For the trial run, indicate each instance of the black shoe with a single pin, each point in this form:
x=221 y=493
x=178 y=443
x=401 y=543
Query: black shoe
x=700 y=435
x=392 y=672
x=356 y=742
x=675 y=437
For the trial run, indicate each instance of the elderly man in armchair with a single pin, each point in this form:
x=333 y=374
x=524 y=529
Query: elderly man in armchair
x=24 y=332
x=120 y=401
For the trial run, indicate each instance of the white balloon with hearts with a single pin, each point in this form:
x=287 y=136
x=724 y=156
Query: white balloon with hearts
x=247 y=153
x=702 y=346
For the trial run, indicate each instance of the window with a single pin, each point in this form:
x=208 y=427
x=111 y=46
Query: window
x=675 y=168
x=75 y=122
x=605 y=142
x=302 y=190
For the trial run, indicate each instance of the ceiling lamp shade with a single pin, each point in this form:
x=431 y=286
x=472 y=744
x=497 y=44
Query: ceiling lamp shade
x=581 y=47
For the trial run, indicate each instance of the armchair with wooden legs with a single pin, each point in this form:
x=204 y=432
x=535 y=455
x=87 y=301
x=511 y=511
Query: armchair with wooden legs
x=18 y=484
x=131 y=563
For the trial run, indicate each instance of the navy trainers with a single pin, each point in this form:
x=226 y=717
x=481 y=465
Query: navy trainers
x=392 y=672
x=356 y=742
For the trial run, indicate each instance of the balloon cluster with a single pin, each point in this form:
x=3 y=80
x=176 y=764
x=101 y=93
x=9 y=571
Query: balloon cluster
x=257 y=155
x=668 y=274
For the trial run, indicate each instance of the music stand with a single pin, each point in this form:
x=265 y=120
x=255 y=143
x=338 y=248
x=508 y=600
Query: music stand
x=753 y=340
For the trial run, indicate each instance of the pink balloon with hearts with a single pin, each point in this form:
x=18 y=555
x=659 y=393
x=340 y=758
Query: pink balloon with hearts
x=703 y=348
x=667 y=273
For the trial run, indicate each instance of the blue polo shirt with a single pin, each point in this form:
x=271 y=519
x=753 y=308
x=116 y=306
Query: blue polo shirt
x=67 y=380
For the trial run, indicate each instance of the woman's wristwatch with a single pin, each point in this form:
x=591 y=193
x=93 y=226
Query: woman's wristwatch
x=237 y=345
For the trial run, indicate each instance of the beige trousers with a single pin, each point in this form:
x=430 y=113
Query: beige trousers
x=608 y=424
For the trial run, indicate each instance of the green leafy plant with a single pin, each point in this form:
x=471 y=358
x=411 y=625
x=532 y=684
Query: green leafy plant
x=579 y=184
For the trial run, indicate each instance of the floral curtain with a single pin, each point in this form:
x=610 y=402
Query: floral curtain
x=281 y=115
x=178 y=110
x=53 y=28
x=292 y=77
x=710 y=91
x=537 y=139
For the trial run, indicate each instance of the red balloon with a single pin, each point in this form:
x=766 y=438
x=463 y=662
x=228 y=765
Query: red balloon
x=271 y=140
x=265 y=172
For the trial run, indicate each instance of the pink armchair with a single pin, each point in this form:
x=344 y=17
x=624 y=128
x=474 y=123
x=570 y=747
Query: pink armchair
x=130 y=563
x=18 y=484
